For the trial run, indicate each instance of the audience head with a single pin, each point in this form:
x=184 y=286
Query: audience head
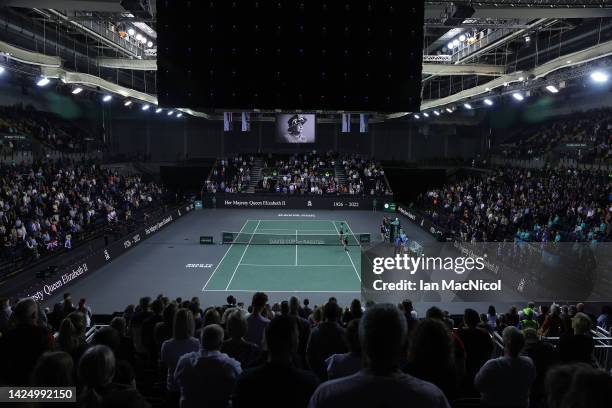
x=259 y=302
x=237 y=325
x=331 y=311
x=157 y=306
x=356 y=311
x=471 y=318
x=97 y=367
x=491 y=311
x=282 y=336
x=231 y=300
x=119 y=323
x=431 y=346
x=434 y=312
x=294 y=305
x=382 y=333
x=144 y=303
x=581 y=323
x=211 y=316
x=53 y=369
x=513 y=341
x=212 y=337
x=169 y=312
x=107 y=336
x=184 y=324
x=26 y=312
x=284 y=307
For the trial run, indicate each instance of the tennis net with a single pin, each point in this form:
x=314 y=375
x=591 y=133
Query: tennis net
x=298 y=238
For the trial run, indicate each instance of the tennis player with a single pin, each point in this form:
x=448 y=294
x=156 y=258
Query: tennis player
x=341 y=232
x=345 y=243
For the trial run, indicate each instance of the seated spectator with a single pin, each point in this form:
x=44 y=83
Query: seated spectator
x=236 y=346
x=478 y=347
x=343 y=365
x=207 y=377
x=577 y=347
x=303 y=329
x=181 y=343
x=578 y=385
x=382 y=334
x=96 y=372
x=325 y=340
x=257 y=323
x=494 y=377
x=293 y=386
x=431 y=356
x=22 y=345
x=163 y=330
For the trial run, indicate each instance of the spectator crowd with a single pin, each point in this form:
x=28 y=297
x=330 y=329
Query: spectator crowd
x=230 y=175
x=170 y=352
x=49 y=204
x=541 y=205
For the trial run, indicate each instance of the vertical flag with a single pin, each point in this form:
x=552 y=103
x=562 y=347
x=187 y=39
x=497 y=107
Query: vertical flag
x=363 y=122
x=246 y=122
x=227 y=121
x=346 y=123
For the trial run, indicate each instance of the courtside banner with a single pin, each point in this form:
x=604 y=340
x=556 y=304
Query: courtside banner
x=423 y=222
x=70 y=274
x=291 y=202
x=488 y=272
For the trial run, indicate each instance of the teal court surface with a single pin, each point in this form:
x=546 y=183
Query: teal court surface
x=288 y=256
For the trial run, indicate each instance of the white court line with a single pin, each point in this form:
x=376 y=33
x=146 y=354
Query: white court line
x=244 y=252
x=221 y=261
x=326 y=266
x=283 y=291
x=347 y=252
x=287 y=229
x=296 y=239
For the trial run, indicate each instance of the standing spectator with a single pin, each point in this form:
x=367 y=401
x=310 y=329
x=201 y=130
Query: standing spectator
x=236 y=346
x=478 y=347
x=380 y=383
x=306 y=311
x=148 y=328
x=493 y=378
x=96 y=372
x=303 y=329
x=86 y=311
x=293 y=386
x=544 y=356
x=257 y=323
x=181 y=343
x=125 y=351
x=431 y=356
x=492 y=318
x=54 y=369
x=343 y=365
x=578 y=385
x=71 y=338
x=553 y=325
x=325 y=340
x=577 y=346
x=604 y=320
x=207 y=377
x=21 y=346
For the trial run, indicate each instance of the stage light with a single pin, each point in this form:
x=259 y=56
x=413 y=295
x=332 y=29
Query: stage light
x=1 y=70
x=158 y=110
x=521 y=78
x=426 y=114
x=127 y=103
x=417 y=116
x=455 y=42
x=527 y=39
x=488 y=102
x=518 y=96
x=179 y=115
x=436 y=113
x=145 y=107
x=43 y=82
x=150 y=44
x=107 y=98
x=131 y=32
x=449 y=110
x=462 y=38
x=138 y=37
x=77 y=91
x=467 y=106
x=143 y=40
x=552 y=89
x=450 y=45
x=599 y=76
x=170 y=113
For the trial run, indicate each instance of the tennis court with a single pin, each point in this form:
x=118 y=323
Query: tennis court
x=288 y=256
